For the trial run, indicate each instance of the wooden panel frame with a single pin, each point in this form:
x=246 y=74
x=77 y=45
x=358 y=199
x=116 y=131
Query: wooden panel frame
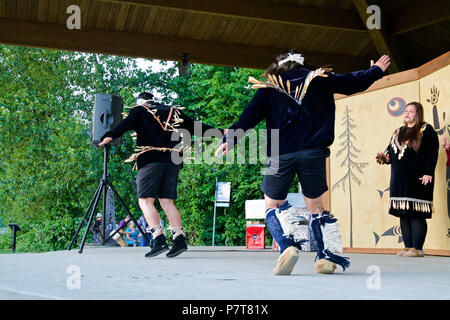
x=158 y=47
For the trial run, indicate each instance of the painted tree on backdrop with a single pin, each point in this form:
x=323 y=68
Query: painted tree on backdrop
x=349 y=150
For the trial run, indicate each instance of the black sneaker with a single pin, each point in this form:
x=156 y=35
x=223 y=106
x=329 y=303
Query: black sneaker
x=159 y=246
x=179 y=246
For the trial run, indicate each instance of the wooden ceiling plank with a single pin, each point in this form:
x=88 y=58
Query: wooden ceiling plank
x=237 y=30
x=228 y=29
x=382 y=41
x=21 y=13
x=263 y=10
x=155 y=47
x=419 y=14
x=158 y=24
x=32 y=8
x=84 y=8
x=150 y=20
x=131 y=18
x=141 y=18
x=11 y=9
x=103 y=14
x=204 y=30
x=167 y=22
x=2 y=8
x=244 y=36
x=113 y=15
x=176 y=23
x=42 y=11
x=53 y=6
x=93 y=14
x=197 y=21
x=62 y=11
x=122 y=19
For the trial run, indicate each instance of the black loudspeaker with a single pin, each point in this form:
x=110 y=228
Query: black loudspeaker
x=106 y=116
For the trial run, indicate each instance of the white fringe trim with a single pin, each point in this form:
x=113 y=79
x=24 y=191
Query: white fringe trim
x=331 y=237
x=289 y=221
x=419 y=205
x=176 y=231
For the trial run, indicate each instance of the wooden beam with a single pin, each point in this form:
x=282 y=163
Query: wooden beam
x=149 y=46
x=406 y=76
x=262 y=10
x=382 y=41
x=420 y=14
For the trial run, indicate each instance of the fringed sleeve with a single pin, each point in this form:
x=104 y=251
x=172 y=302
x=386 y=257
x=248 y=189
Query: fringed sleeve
x=430 y=144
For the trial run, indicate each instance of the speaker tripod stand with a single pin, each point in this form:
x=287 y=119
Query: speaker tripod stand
x=105 y=182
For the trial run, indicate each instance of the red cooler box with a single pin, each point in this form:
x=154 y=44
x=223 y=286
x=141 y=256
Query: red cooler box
x=256 y=236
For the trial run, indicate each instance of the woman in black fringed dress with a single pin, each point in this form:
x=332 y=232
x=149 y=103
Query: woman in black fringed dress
x=412 y=153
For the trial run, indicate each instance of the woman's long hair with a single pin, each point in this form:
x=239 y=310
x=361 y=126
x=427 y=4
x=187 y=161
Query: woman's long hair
x=275 y=69
x=412 y=135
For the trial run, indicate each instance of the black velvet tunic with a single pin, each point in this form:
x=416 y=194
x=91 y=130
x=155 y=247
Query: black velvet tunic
x=408 y=196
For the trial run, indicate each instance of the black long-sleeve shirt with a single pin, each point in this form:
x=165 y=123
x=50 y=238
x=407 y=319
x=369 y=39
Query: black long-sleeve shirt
x=150 y=133
x=307 y=125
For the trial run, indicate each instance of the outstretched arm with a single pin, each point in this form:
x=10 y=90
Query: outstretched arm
x=189 y=124
x=357 y=81
x=129 y=123
x=253 y=114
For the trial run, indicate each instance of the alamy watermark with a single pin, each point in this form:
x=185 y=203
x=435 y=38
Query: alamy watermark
x=374 y=280
x=73 y=282
x=74 y=20
x=374 y=20
x=244 y=147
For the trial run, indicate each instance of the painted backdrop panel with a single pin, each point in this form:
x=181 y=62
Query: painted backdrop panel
x=435 y=98
x=359 y=186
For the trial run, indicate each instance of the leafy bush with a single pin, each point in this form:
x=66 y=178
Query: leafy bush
x=49 y=171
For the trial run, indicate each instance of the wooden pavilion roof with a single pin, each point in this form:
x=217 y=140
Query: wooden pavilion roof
x=243 y=33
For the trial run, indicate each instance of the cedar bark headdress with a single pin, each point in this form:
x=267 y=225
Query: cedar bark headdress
x=298 y=92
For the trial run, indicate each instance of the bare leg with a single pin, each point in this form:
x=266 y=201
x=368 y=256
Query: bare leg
x=314 y=205
x=172 y=212
x=272 y=203
x=151 y=215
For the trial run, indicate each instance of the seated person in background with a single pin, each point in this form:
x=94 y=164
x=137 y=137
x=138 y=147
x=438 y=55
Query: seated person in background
x=144 y=225
x=96 y=227
x=131 y=235
x=122 y=222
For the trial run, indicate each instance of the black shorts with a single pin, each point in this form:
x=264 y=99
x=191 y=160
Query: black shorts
x=158 y=180
x=309 y=165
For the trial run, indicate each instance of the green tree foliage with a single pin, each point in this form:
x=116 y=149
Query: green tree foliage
x=49 y=170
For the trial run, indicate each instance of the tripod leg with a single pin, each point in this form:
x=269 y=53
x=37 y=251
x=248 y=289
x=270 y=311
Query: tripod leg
x=74 y=239
x=114 y=233
x=105 y=194
x=91 y=217
x=128 y=212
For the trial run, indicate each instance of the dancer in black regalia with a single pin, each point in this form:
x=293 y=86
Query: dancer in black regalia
x=299 y=103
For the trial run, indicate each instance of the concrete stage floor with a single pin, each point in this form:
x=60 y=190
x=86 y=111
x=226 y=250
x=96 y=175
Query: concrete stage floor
x=215 y=273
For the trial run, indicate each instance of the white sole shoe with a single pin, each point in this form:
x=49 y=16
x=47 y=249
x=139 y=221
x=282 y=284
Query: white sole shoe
x=325 y=266
x=286 y=262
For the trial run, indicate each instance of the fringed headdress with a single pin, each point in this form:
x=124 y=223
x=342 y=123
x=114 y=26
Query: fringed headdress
x=278 y=84
x=297 y=57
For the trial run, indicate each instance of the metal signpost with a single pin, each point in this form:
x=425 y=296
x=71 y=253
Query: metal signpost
x=222 y=199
